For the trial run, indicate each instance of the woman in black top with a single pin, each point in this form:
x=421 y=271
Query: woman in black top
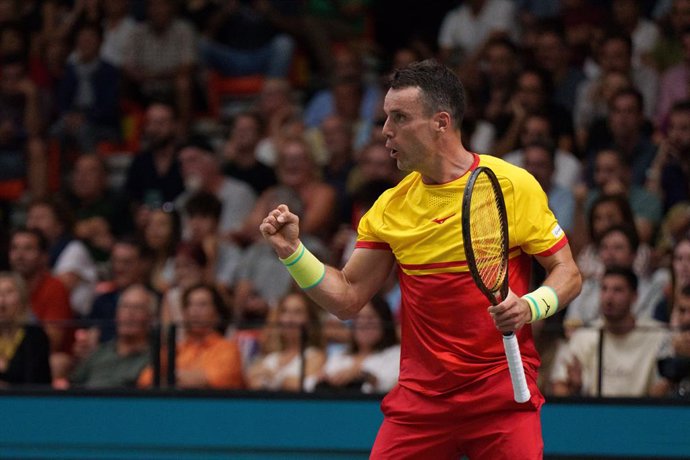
x=24 y=349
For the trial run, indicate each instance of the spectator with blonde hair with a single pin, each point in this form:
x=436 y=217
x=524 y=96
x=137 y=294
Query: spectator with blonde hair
x=24 y=349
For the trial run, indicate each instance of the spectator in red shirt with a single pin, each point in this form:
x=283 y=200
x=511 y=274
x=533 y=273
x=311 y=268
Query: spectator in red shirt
x=49 y=298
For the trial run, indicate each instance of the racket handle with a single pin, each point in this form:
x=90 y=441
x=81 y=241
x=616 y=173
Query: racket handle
x=517 y=371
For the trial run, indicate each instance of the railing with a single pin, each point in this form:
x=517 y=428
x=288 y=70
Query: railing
x=163 y=339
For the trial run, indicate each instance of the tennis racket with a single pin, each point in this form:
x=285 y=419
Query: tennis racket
x=485 y=236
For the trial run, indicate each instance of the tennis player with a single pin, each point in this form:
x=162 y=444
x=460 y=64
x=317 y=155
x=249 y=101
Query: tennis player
x=454 y=395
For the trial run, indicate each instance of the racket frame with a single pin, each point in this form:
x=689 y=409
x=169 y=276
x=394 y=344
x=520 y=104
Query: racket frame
x=521 y=392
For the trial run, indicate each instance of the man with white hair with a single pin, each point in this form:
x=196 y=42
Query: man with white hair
x=119 y=362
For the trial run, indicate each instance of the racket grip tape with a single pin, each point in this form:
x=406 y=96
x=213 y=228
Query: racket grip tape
x=521 y=392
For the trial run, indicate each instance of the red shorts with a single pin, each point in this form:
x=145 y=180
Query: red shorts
x=481 y=421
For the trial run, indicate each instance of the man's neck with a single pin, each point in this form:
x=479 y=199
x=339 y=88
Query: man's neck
x=34 y=280
x=444 y=169
x=126 y=346
x=245 y=159
x=622 y=326
x=628 y=142
x=163 y=158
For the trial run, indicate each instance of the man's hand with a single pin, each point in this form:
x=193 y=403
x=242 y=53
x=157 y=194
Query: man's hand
x=281 y=229
x=511 y=314
x=575 y=376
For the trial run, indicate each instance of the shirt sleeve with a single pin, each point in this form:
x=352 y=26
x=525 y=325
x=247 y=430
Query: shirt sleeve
x=76 y=258
x=367 y=235
x=60 y=307
x=536 y=228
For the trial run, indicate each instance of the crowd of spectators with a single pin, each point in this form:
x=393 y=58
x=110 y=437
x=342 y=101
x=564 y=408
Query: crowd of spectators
x=129 y=204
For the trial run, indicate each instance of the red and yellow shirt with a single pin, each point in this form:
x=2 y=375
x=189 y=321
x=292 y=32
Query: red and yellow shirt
x=448 y=338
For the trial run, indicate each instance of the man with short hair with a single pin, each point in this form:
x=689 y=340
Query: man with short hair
x=154 y=176
x=630 y=346
x=118 y=362
x=540 y=160
x=617 y=247
x=49 y=298
x=129 y=264
x=674 y=362
x=454 y=396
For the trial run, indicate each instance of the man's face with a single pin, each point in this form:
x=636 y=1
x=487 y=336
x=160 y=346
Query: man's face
x=126 y=265
x=615 y=249
x=626 y=115
x=680 y=14
x=501 y=62
x=196 y=167
x=615 y=56
x=408 y=129
x=681 y=263
x=530 y=92
x=245 y=134
x=295 y=166
x=607 y=167
x=88 y=45
x=88 y=178
x=682 y=311
x=25 y=255
x=201 y=227
x=550 y=52
x=679 y=131
x=133 y=315
x=160 y=13
x=616 y=298
x=337 y=136
x=42 y=217
x=159 y=128
x=535 y=128
x=539 y=163
x=10 y=79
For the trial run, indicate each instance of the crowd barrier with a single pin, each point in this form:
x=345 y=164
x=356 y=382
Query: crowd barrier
x=165 y=424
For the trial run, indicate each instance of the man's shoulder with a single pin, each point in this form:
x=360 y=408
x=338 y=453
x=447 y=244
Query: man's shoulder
x=506 y=170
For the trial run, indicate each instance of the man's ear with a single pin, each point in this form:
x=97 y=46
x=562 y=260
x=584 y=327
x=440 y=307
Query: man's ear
x=443 y=121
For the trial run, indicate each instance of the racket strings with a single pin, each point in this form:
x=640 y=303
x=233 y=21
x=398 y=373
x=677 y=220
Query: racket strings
x=487 y=229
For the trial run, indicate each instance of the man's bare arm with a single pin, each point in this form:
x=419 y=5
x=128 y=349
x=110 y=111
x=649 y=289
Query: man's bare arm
x=563 y=277
x=344 y=292
x=341 y=292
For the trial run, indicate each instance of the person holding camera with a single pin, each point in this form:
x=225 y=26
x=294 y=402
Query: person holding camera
x=674 y=362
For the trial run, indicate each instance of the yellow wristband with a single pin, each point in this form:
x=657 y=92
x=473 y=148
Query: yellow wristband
x=543 y=302
x=304 y=267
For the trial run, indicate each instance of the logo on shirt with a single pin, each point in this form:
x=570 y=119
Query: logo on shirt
x=557 y=231
x=443 y=219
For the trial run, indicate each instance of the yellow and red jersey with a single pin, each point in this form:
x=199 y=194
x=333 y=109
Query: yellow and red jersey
x=448 y=338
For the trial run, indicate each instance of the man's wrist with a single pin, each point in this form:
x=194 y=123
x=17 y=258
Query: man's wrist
x=284 y=252
x=543 y=302
x=304 y=267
